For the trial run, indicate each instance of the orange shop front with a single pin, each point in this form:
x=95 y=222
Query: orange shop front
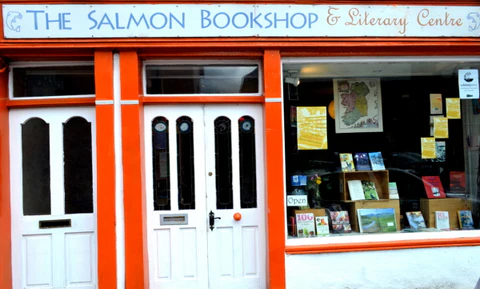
x=156 y=145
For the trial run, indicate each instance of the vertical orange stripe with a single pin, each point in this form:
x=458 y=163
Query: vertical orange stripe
x=106 y=234
x=5 y=221
x=132 y=173
x=274 y=169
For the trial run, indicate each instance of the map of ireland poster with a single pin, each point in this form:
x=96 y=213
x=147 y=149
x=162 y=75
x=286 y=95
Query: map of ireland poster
x=358 y=105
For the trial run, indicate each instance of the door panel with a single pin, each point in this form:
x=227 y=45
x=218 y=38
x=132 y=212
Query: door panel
x=50 y=247
x=227 y=173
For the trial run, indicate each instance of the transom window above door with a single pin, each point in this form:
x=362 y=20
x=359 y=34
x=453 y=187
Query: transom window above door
x=52 y=79
x=222 y=77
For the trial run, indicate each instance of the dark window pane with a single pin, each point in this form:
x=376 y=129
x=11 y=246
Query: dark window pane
x=223 y=163
x=36 y=167
x=248 y=176
x=53 y=81
x=202 y=79
x=185 y=160
x=77 y=157
x=161 y=164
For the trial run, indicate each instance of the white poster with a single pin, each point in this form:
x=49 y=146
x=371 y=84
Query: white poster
x=468 y=83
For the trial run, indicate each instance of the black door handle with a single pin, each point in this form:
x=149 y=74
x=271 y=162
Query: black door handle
x=212 y=218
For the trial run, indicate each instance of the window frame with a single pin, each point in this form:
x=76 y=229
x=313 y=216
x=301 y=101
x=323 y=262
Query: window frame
x=362 y=238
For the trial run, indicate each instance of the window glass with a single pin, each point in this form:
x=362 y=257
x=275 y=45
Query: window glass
x=53 y=81
x=248 y=179
x=202 y=79
x=36 y=167
x=161 y=164
x=185 y=163
x=77 y=147
x=223 y=163
x=389 y=143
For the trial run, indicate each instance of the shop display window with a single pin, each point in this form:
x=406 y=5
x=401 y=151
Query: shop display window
x=177 y=78
x=60 y=79
x=381 y=146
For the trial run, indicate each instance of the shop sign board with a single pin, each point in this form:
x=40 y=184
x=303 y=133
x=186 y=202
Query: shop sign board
x=242 y=20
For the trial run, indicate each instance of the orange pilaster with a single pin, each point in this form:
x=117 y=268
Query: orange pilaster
x=5 y=221
x=274 y=169
x=135 y=242
x=106 y=234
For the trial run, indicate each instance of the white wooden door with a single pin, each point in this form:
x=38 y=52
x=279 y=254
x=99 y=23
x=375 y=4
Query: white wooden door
x=202 y=160
x=53 y=198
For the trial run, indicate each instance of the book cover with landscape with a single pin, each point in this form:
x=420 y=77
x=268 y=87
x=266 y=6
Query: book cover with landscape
x=346 y=162
x=340 y=222
x=369 y=190
x=376 y=160
x=393 y=191
x=362 y=163
x=416 y=220
x=433 y=187
x=378 y=220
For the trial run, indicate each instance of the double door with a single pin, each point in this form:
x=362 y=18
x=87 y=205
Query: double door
x=205 y=196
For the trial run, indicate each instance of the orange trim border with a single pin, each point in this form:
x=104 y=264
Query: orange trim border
x=382 y=246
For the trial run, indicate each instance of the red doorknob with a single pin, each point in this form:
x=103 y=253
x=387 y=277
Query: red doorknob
x=237 y=216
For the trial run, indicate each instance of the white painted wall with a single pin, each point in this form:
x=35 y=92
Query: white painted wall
x=432 y=268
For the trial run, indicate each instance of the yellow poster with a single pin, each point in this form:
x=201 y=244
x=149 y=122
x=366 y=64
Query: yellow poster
x=453 y=108
x=428 y=148
x=440 y=127
x=436 y=103
x=312 y=127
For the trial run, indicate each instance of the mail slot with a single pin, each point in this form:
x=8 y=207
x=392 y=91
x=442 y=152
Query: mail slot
x=174 y=219
x=49 y=224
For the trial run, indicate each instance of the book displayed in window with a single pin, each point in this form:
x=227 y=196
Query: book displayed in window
x=369 y=190
x=321 y=223
x=340 y=222
x=377 y=220
x=433 y=187
x=305 y=225
x=362 y=163
x=442 y=220
x=393 y=191
x=458 y=186
x=355 y=189
x=376 y=160
x=416 y=220
x=346 y=162
x=465 y=219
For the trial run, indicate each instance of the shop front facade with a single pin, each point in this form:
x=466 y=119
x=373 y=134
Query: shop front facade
x=194 y=145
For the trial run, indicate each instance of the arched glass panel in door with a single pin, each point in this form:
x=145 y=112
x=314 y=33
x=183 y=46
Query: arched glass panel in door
x=186 y=164
x=223 y=163
x=36 y=167
x=248 y=179
x=161 y=164
x=77 y=159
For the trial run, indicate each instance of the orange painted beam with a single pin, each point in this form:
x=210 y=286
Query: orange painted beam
x=274 y=170
x=135 y=242
x=54 y=101
x=202 y=99
x=379 y=246
x=5 y=213
x=107 y=258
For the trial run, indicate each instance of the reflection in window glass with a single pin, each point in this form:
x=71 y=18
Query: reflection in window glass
x=53 y=81
x=185 y=162
x=248 y=180
x=36 y=167
x=384 y=111
x=202 y=79
x=161 y=164
x=77 y=148
x=223 y=163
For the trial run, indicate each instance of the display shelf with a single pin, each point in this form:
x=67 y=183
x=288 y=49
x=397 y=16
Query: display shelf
x=380 y=178
x=452 y=205
x=353 y=206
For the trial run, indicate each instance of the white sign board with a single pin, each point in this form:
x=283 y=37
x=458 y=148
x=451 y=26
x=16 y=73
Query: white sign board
x=297 y=200
x=468 y=83
x=232 y=20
